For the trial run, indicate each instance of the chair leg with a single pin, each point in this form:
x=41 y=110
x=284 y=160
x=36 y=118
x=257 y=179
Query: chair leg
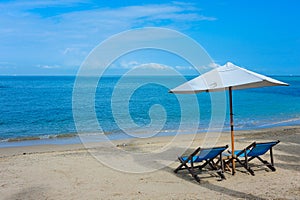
x=203 y=165
x=197 y=178
x=226 y=166
x=246 y=166
x=271 y=155
x=184 y=162
x=222 y=163
x=190 y=169
x=180 y=166
x=192 y=172
x=227 y=162
x=220 y=172
x=269 y=165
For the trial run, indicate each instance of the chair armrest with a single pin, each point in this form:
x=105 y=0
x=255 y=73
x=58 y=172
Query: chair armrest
x=245 y=149
x=195 y=152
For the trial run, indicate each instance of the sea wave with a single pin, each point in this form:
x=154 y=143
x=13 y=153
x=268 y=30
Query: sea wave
x=287 y=122
x=118 y=134
x=49 y=137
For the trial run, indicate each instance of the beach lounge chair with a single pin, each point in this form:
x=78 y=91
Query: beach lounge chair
x=203 y=157
x=254 y=150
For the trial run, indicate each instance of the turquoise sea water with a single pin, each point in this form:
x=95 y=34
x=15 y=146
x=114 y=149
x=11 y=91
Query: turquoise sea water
x=40 y=107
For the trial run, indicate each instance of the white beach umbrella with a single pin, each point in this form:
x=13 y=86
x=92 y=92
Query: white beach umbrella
x=227 y=77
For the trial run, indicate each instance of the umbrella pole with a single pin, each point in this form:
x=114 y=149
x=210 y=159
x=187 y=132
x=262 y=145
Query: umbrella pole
x=231 y=130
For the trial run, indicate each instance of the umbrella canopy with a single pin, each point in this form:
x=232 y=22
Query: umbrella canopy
x=227 y=77
x=224 y=77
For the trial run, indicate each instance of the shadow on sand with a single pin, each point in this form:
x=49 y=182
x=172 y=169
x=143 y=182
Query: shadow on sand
x=210 y=186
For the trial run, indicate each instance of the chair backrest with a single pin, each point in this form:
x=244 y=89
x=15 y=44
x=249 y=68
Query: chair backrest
x=210 y=153
x=261 y=148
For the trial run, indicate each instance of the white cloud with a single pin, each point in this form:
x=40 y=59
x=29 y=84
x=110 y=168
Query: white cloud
x=156 y=66
x=7 y=65
x=184 y=68
x=29 y=4
x=214 y=65
x=67 y=37
x=117 y=19
x=128 y=65
x=70 y=50
x=49 y=66
x=150 y=69
x=157 y=69
x=135 y=65
x=82 y=24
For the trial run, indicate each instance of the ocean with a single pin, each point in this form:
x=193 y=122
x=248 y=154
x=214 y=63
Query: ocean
x=38 y=109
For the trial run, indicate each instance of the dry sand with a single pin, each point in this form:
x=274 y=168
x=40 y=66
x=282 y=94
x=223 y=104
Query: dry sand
x=71 y=172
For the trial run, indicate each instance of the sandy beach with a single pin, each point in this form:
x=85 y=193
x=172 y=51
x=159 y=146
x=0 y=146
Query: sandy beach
x=71 y=172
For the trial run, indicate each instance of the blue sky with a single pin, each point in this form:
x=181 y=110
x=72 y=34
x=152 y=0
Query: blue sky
x=54 y=37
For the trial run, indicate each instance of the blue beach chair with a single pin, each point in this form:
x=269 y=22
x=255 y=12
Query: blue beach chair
x=254 y=150
x=203 y=157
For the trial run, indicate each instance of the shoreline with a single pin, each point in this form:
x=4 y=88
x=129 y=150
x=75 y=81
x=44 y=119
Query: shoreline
x=65 y=144
x=75 y=139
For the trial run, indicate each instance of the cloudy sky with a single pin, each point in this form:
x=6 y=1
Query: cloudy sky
x=54 y=37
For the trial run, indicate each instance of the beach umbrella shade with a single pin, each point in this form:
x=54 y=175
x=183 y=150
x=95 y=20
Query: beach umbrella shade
x=227 y=77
